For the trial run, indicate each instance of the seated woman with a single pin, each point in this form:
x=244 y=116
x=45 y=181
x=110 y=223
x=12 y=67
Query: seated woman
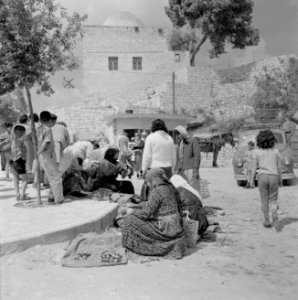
x=156 y=228
x=191 y=202
x=103 y=174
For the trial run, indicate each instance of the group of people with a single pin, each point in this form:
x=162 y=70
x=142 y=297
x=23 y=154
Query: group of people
x=154 y=226
x=17 y=152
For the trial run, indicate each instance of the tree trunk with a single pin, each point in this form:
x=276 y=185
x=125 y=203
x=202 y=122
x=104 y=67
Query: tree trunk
x=34 y=140
x=196 y=50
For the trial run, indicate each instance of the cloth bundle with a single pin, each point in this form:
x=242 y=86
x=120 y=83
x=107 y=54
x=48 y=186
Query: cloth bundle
x=95 y=250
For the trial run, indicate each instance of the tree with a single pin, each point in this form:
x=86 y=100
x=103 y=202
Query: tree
x=219 y=21
x=37 y=39
x=12 y=105
x=277 y=86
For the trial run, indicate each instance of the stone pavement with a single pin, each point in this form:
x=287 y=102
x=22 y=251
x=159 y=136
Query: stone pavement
x=24 y=227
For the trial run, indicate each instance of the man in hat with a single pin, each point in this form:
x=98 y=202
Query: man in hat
x=189 y=156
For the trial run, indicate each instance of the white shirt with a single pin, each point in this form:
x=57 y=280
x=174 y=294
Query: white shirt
x=159 y=151
x=81 y=149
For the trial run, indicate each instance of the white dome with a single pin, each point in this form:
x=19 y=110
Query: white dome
x=123 y=19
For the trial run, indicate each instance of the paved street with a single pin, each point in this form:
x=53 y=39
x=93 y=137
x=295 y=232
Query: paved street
x=246 y=261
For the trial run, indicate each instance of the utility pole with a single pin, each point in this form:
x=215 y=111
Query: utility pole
x=173 y=92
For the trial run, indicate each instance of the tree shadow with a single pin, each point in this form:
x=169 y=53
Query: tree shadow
x=6 y=197
x=284 y=222
x=6 y=189
x=6 y=179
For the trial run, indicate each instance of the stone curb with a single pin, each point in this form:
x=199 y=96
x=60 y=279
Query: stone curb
x=60 y=234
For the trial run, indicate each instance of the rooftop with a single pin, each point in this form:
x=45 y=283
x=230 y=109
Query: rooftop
x=123 y=19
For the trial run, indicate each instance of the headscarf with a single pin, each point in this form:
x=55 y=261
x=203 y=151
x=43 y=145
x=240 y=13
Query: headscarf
x=160 y=173
x=157 y=172
x=182 y=130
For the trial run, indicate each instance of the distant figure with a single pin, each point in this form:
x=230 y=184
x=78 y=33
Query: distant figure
x=159 y=150
x=126 y=154
x=247 y=166
x=123 y=141
x=60 y=136
x=189 y=157
x=268 y=160
x=5 y=147
x=138 y=152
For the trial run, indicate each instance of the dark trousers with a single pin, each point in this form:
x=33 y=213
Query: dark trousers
x=3 y=161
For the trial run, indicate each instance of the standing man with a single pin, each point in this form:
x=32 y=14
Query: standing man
x=123 y=141
x=60 y=136
x=138 y=151
x=189 y=156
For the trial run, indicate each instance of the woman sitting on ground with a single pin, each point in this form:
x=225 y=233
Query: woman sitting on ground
x=104 y=173
x=97 y=175
x=155 y=228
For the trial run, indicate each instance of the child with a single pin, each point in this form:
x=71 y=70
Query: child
x=248 y=165
x=47 y=157
x=18 y=160
x=268 y=159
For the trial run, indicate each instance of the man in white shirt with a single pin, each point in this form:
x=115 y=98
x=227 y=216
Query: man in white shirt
x=159 y=150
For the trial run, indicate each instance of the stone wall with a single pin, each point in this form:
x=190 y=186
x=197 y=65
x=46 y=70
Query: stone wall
x=195 y=87
x=85 y=120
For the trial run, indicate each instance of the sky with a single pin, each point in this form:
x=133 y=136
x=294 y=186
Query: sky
x=277 y=21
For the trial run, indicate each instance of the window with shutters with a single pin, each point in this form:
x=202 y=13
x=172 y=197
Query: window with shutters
x=113 y=63
x=137 y=63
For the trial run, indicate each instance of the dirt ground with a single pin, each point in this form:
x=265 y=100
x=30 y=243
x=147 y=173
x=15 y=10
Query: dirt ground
x=246 y=261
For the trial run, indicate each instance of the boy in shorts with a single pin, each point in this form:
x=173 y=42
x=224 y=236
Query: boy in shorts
x=18 y=160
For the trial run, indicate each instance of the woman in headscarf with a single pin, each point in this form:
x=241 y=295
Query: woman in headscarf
x=104 y=174
x=97 y=175
x=156 y=229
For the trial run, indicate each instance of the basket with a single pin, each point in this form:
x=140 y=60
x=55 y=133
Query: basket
x=191 y=230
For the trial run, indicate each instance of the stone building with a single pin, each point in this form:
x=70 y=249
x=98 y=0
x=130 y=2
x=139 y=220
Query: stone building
x=125 y=62
x=127 y=65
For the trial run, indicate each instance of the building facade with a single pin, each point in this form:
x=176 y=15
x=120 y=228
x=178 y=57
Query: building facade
x=125 y=61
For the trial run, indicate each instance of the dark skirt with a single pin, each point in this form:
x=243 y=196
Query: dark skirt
x=145 y=237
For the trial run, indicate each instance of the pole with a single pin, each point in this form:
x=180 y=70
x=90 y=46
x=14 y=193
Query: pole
x=34 y=140
x=173 y=92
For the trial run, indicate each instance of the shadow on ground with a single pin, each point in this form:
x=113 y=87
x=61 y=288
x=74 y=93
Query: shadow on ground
x=286 y=221
x=6 y=189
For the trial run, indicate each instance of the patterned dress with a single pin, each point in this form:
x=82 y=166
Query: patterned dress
x=156 y=229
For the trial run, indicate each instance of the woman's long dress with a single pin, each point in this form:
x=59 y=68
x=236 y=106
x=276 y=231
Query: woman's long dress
x=156 y=229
